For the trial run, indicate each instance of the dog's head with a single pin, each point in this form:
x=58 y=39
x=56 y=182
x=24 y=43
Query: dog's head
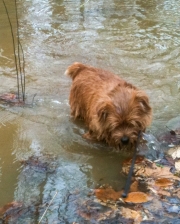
x=123 y=115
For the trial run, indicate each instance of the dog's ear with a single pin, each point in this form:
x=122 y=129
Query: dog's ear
x=103 y=111
x=143 y=100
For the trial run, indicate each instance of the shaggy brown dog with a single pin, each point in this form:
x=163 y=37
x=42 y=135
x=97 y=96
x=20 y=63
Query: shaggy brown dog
x=113 y=110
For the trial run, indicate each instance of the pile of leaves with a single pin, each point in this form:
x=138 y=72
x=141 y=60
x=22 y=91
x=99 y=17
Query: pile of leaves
x=154 y=195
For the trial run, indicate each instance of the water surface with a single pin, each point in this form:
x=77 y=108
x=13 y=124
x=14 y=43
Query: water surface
x=138 y=40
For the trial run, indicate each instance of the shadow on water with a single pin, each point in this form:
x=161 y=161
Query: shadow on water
x=42 y=150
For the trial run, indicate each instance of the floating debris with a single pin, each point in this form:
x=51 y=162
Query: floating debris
x=43 y=163
x=137 y=197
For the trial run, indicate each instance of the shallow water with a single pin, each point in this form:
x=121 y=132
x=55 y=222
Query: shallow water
x=139 y=40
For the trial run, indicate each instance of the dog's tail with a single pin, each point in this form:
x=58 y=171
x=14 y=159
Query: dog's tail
x=74 y=69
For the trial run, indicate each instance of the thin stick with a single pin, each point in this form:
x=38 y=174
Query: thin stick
x=128 y=182
x=48 y=207
x=23 y=72
x=13 y=39
x=21 y=67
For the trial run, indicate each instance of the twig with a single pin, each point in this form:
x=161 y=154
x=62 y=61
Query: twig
x=19 y=61
x=21 y=66
x=128 y=182
x=48 y=207
x=13 y=39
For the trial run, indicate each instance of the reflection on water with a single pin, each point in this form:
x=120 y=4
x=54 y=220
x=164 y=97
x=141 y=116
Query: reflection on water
x=139 y=40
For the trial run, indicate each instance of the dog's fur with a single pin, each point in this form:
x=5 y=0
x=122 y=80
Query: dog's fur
x=113 y=110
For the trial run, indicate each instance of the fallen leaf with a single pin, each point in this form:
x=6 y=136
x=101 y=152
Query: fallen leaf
x=177 y=193
x=134 y=186
x=138 y=160
x=131 y=214
x=174 y=152
x=11 y=99
x=156 y=186
x=107 y=194
x=155 y=171
x=169 y=159
x=163 y=192
x=95 y=212
x=8 y=96
x=163 y=182
x=137 y=197
x=154 y=208
x=12 y=204
x=177 y=165
x=168 y=137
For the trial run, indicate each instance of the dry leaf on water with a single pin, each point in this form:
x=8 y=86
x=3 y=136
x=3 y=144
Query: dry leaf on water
x=163 y=192
x=107 y=194
x=137 y=197
x=11 y=99
x=134 y=186
x=131 y=214
x=156 y=172
x=174 y=152
x=8 y=96
x=163 y=182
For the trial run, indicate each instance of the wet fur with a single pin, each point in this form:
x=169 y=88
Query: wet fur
x=110 y=107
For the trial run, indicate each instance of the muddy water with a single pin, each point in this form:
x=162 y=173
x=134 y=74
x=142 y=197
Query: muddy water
x=138 y=40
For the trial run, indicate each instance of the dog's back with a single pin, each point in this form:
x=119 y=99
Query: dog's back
x=88 y=72
x=113 y=109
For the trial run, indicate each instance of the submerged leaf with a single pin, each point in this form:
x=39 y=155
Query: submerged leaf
x=107 y=194
x=9 y=206
x=138 y=160
x=137 y=197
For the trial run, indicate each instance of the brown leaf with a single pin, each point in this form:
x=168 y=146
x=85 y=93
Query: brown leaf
x=177 y=165
x=12 y=204
x=177 y=193
x=170 y=160
x=155 y=171
x=137 y=197
x=8 y=96
x=134 y=186
x=11 y=99
x=163 y=192
x=131 y=214
x=163 y=182
x=139 y=159
x=107 y=194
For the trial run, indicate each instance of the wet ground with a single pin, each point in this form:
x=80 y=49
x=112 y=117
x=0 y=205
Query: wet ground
x=139 y=40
